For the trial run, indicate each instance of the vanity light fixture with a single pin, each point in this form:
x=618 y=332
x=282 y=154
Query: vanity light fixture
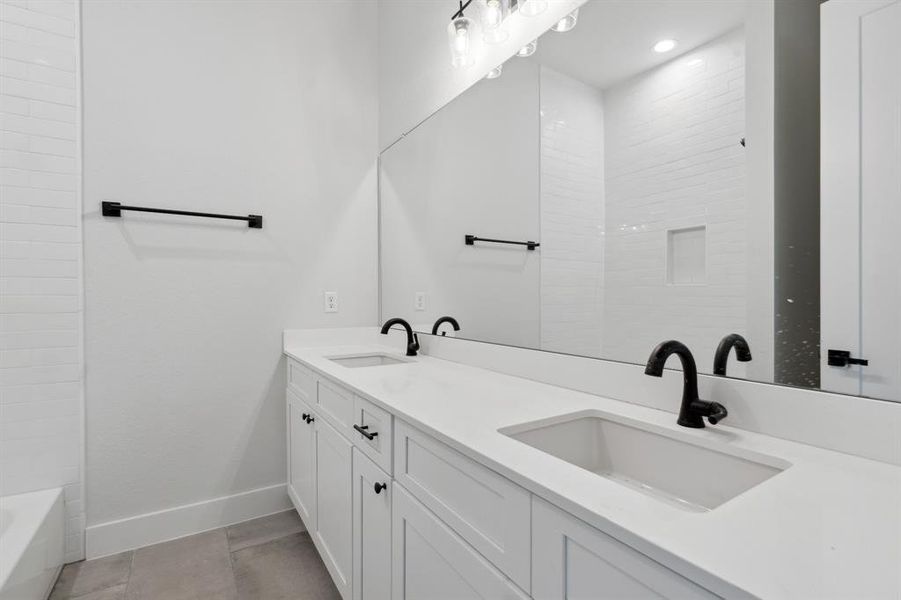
x=459 y=37
x=664 y=46
x=567 y=23
x=532 y=8
x=528 y=50
x=494 y=12
x=495 y=72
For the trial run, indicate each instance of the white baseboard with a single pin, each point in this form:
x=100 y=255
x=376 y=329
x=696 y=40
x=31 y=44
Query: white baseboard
x=117 y=536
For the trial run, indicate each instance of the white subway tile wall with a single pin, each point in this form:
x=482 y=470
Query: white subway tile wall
x=41 y=365
x=572 y=215
x=674 y=161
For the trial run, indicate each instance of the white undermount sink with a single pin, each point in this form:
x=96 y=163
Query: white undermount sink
x=680 y=470
x=355 y=361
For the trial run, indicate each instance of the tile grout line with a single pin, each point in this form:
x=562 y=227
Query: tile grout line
x=131 y=566
x=231 y=560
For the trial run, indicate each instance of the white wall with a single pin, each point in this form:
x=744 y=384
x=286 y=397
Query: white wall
x=759 y=184
x=263 y=107
x=572 y=215
x=41 y=433
x=415 y=74
x=673 y=160
x=472 y=168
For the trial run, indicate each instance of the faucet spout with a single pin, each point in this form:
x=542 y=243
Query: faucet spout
x=452 y=321
x=742 y=352
x=412 y=338
x=693 y=409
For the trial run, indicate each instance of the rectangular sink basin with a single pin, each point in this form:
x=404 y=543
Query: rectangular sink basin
x=683 y=471
x=366 y=360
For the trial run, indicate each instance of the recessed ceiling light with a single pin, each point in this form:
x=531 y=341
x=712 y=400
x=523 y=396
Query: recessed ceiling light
x=664 y=46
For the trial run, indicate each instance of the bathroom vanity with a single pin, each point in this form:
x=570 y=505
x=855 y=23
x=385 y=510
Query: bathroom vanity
x=424 y=478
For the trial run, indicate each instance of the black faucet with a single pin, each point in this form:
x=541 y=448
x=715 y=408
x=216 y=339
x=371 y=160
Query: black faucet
x=450 y=320
x=693 y=408
x=742 y=352
x=412 y=338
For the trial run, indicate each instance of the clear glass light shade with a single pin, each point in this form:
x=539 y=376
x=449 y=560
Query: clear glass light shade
x=568 y=22
x=495 y=72
x=494 y=12
x=532 y=8
x=528 y=50
x=459 y=37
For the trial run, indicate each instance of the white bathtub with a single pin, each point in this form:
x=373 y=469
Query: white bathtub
x=32 y=535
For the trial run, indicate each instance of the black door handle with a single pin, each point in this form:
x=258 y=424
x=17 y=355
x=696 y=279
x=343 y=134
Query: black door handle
x=379 y=487
x=842 y=358
x=362 y=430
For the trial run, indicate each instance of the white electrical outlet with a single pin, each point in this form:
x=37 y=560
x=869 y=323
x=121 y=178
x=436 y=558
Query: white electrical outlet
x=331 y=302
x=420 y=301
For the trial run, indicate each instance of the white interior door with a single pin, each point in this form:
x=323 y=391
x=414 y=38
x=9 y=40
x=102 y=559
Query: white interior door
x=860 y=194
x=880 y=166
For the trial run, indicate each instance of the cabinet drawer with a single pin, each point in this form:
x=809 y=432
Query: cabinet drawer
x=485 y=509
x=375 y=422
x=301 y=381
x=337 y=404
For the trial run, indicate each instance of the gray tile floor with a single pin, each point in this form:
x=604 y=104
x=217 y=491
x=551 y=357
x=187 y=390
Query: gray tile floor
x=271 y=558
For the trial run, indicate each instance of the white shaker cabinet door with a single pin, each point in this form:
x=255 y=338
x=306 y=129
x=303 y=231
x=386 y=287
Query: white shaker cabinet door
x=572 y=560
x=301 y=460
x=431 y=562
x=334 y=499
x=372 y=530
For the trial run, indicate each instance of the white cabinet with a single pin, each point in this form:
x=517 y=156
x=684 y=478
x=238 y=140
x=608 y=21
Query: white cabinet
x=301 y=459
x=572 y=560
x=333 y=533
x=372 y=530
x=432 y=562
x=487 y=510
x=446 y=527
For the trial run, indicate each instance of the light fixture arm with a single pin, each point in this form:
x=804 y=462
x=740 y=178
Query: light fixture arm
x=463 y=7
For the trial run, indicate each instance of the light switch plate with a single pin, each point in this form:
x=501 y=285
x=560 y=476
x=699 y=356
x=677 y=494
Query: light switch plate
x=331 y=302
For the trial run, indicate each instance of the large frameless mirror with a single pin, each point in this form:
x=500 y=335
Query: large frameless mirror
x=669 y=169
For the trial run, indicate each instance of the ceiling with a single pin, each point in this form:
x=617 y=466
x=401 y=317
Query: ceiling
x=614 y=39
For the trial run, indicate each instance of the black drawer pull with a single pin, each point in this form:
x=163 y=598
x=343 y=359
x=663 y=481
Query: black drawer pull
x=362 y=429
x=379 y=487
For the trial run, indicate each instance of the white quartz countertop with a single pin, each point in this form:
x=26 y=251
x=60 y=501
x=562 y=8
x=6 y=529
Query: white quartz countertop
x=829 y=526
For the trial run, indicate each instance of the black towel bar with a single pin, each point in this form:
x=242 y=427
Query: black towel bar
x=471 y=240
x=114 y=209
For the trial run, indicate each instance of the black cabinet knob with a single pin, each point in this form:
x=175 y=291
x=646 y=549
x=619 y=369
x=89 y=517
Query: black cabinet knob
x=378 y=487
x=304 y=416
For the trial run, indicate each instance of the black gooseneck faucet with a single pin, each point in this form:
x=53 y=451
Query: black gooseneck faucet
x=412 y=338
x=742 y=352
x=693 y=408
x=450 y=320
